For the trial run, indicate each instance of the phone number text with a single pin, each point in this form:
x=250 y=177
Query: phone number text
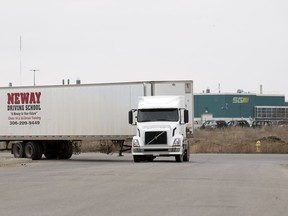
x=24 y=122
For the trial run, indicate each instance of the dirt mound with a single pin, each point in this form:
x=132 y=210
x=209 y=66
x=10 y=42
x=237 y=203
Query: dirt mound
x=240 y=140
x=272 y=139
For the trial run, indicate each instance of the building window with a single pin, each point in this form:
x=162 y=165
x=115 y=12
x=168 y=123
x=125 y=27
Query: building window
x=271 y=113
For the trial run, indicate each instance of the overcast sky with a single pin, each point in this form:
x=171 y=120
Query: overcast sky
x=237 y=44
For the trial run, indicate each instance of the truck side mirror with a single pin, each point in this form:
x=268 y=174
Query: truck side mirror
x=186 y=116
x=130 y=114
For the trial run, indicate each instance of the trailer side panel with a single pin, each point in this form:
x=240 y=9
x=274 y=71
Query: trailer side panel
x=65 y=111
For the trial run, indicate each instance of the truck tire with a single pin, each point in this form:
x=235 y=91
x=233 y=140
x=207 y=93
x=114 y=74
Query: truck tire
x=18 y=150
x=67 y=151
x=40 y=151
x=149 y=158
x=187 y=153
x=137 y=158
x=50 y=155
x=186 y=157
x=33 y=150
x=179 y=158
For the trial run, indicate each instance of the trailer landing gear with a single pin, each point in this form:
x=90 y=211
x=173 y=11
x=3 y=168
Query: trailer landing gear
x=121 y=145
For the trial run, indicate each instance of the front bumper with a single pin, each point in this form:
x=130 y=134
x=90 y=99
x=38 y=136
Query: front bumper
x=157 y=150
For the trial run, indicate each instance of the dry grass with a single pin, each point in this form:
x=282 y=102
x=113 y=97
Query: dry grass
x=240 y=140
x=231 y=140
x=103 y=146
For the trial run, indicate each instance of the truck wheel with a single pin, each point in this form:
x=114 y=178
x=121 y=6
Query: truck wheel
x=179 y=158
x=137 y=158
x=33 y=150
x=186 y=157
x=187 y=153
x=18 y=150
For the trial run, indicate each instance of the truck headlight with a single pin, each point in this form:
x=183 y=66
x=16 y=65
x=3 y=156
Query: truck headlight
x=135 y=143
x=177 y=142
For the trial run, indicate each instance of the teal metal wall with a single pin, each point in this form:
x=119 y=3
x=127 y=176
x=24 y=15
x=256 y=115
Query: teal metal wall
x=264 y=100
x=233 y=105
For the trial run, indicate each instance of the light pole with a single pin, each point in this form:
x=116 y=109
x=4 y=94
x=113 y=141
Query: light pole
x=34 y=70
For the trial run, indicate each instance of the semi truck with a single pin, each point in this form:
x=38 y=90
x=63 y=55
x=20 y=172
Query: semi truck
x=49 y=120
x=161 y=128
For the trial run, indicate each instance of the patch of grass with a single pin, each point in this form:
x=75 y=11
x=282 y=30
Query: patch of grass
x=103 y=146
x=240 y=140
x=229 y=140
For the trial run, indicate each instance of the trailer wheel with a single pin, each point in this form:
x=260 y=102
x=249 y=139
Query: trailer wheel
x=18 y=150
x=40 y=151
x=67 y=151
x=33 y=150
x=50 y=155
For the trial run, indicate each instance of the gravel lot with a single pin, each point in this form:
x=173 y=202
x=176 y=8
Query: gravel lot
x=8 y=160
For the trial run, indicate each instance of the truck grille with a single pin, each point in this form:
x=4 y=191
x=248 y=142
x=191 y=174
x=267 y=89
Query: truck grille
x=155 y=137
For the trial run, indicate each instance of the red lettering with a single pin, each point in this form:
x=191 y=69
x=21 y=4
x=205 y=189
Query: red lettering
x=38 y=94
x=32 y=98
x=16 y=98
x=24 y=98
x=10 y=98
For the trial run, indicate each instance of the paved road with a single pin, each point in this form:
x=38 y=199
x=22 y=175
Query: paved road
x=98 y=184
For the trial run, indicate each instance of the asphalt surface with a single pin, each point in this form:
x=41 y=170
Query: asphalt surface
x=99 y=184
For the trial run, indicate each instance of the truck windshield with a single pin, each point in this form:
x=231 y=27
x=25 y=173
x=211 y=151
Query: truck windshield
x=148 y=115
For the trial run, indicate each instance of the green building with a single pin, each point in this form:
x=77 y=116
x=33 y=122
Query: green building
x=240 y=105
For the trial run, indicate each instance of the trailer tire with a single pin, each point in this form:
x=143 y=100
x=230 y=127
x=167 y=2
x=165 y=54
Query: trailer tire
x=67 y=151
x=18 y=150
x=50 y=156
x=33 y=150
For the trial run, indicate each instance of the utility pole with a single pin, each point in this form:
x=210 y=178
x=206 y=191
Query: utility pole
x=34 y=70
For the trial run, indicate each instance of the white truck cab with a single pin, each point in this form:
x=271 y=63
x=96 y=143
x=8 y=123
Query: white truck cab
x=161 y=128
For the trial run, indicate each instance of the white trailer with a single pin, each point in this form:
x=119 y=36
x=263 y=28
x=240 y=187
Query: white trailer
x=48 y=119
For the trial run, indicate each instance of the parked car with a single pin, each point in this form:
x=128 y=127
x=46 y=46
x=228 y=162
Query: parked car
x=261 y=123
x=282 y=123
x=238 y=123
x=213 y=124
